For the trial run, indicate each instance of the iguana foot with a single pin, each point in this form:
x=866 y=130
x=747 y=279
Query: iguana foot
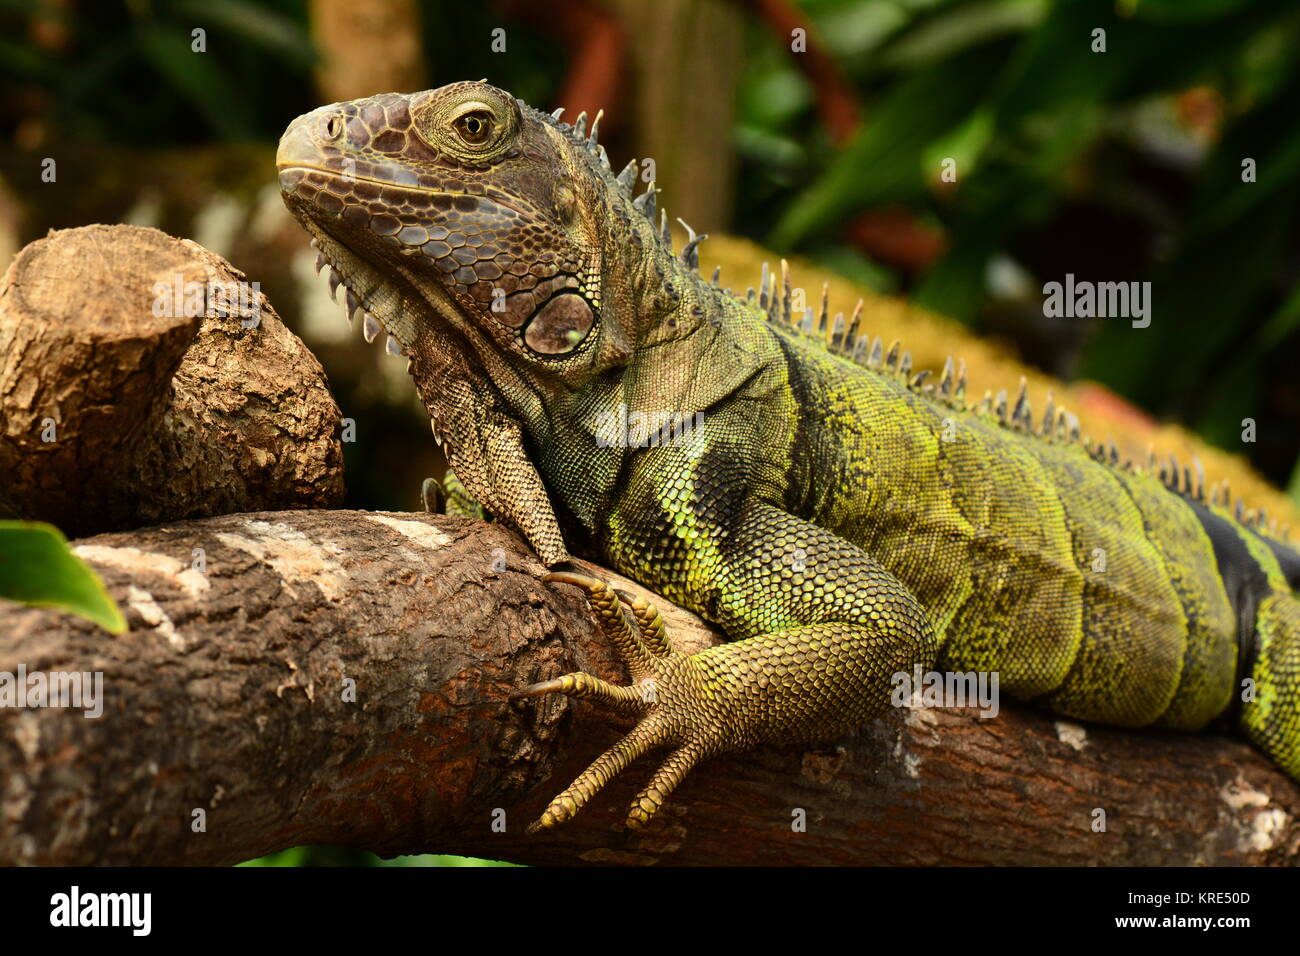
x=670 y=694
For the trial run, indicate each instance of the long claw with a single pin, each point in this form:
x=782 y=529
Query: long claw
x=653 y=633
x=665 y=780
x=576 y=578
x=581 y=685
x=617 y=619
x=602 y=770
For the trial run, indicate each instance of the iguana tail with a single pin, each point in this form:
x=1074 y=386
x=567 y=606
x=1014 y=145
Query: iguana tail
x=1270 y=714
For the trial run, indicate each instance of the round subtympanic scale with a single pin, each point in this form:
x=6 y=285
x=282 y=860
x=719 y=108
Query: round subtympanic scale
x=560 y=325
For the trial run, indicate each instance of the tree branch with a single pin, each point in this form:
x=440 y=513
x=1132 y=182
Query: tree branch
x=229 y=696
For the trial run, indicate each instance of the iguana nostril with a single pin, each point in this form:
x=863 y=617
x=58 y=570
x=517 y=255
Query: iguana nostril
x=334 y=127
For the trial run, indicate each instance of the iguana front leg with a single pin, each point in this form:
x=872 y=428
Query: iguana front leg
x=821 y=626
x=485 y=450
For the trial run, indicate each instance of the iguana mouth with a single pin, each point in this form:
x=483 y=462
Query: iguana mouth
x=383 y=291
x=387 y=183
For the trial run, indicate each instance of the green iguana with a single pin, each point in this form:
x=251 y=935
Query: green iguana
x=840 y=518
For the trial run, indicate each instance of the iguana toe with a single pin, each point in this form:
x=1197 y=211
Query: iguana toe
x=665 y=693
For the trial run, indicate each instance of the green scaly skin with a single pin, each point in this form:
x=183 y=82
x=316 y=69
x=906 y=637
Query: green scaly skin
x=840 y=519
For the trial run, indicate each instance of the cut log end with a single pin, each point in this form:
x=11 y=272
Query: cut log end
x=137 y=372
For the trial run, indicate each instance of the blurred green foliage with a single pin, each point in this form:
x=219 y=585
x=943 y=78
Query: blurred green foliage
x=124 y=73
x=135 y=82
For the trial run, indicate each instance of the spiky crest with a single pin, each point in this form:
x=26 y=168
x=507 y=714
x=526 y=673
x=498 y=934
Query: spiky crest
x=847 y=340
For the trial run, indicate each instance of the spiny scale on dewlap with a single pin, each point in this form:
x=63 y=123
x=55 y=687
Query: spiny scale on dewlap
x=840 y=517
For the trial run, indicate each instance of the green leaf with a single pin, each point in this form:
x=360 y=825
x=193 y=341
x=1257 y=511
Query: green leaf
x=38 y=568
x=964 y=144
x=960 y=28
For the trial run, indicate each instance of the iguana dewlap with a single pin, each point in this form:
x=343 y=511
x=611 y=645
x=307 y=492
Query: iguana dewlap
x=839 y=517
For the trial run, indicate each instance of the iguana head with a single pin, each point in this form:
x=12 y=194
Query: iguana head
x=530 y=290
x=462 y=218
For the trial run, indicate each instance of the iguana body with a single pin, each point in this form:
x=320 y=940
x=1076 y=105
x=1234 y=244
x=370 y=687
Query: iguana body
x=841 y=520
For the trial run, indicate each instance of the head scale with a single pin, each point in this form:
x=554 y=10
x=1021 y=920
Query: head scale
x=462 y=212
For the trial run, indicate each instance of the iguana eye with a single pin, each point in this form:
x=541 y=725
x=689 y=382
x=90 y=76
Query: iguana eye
x=474 y=127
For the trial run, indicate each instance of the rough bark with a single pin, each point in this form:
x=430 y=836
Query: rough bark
x=227 y=695
x=113 y=415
